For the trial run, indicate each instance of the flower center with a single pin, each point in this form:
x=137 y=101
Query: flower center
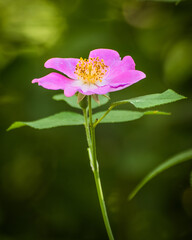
x=91 y=70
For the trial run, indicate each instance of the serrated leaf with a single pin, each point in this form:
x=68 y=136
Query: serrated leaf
x=179 y=158
x=153 y=100
x=56 y=120
x=115 y=116
x=72 y=101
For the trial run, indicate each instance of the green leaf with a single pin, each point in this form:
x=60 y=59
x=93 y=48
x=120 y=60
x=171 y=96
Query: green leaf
x=179 y=158
x=56 y=120
x=152 y=100
x=115 y=116
x=72 y=101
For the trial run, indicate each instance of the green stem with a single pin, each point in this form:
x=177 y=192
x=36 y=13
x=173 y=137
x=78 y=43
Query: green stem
x=90 y=133
x=87 y=127
x=104 y=115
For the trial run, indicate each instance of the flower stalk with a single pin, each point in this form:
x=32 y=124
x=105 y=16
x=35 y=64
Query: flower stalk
x=90 y=134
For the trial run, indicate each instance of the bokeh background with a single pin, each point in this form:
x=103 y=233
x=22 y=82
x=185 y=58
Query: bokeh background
x=47 y=190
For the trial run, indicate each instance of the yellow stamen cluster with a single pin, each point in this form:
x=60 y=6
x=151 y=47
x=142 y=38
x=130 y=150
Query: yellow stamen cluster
x=91 y=70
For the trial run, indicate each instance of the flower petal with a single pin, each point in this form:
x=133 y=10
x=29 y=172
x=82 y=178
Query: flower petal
x=70 y=91
x=54 y=81
x=109 y=56
x=126 y=64
x=98 y=90
x=102 y=90
x=64 y=65
x=120 y=87
x=126 y=78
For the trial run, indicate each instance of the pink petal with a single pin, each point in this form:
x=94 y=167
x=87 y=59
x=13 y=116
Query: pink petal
x=64 y=65
x=54 y=81
x=99 y=90
x=126 y=78
x=109 y=56
x=120 y=87
x=70 y=91
x=126 y=64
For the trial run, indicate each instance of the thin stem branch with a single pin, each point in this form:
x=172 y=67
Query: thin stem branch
x=115 y=104
x=104 y=115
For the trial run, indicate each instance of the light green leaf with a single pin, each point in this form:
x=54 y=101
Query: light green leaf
x=152 y=100
x=56 y=120
x=179 y=158
x=72 y=101
x=115 y=116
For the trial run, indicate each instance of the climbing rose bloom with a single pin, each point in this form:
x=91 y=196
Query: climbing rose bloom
x=102 y=72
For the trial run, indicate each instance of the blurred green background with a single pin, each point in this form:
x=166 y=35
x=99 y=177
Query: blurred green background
x=47 y=190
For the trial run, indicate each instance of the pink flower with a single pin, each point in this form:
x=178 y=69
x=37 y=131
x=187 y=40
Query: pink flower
x=102 y=72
